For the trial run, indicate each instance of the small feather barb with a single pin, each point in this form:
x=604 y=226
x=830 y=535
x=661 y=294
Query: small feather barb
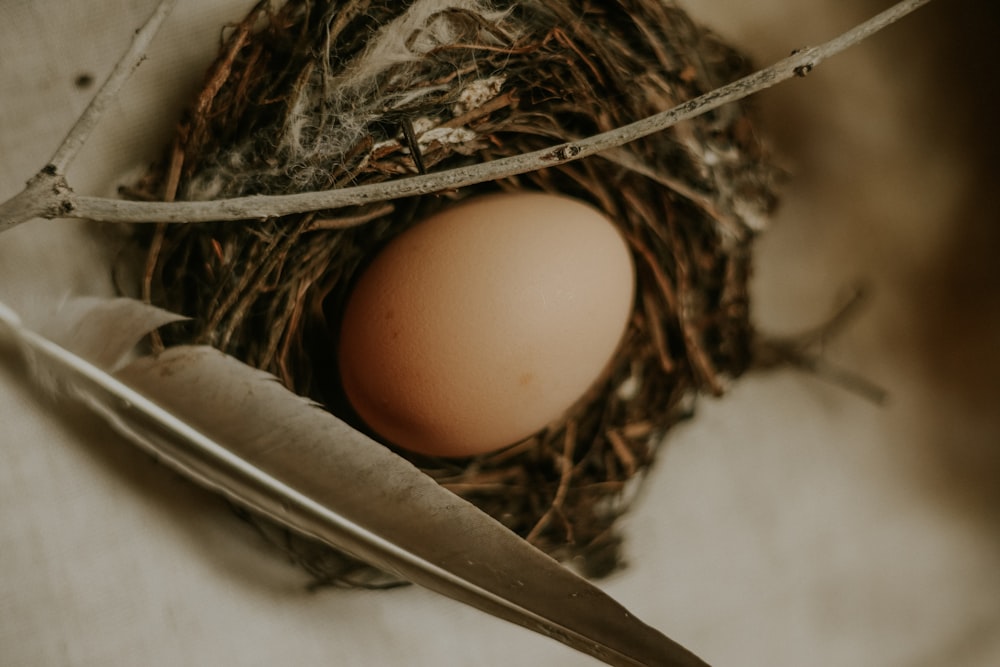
x=237 y=431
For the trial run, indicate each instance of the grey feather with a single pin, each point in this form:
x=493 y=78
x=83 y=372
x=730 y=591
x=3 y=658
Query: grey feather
x=236 y=430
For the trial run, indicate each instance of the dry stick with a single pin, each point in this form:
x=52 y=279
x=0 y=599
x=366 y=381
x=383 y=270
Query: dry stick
x=800 y=351
x=47 y=194
x=565 y=477
x=62 y=202
x=109 y=91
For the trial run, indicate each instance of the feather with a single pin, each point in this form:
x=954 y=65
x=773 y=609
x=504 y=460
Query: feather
x=103 y=332
x=238 y=431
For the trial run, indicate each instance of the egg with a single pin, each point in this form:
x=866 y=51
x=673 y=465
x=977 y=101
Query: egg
x=485 y=322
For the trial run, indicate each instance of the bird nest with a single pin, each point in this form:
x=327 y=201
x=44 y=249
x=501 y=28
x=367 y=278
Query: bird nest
x=315 y=95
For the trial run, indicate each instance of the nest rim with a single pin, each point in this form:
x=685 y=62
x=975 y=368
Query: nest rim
x=689 y=332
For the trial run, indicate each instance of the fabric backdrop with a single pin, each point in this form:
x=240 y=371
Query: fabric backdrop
x=791 y=523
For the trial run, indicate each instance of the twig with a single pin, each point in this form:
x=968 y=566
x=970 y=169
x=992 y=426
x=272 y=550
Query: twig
x=128 y=63
x=805 y=351
x=50 y=202
x=47 y=194
x=565 y=477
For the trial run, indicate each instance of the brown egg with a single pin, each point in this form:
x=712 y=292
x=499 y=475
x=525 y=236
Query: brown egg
x=485 y=322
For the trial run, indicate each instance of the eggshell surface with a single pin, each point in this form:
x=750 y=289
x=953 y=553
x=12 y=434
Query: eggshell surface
x=483 y=323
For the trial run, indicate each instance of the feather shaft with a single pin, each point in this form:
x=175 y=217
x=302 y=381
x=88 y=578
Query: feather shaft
x=236 y=430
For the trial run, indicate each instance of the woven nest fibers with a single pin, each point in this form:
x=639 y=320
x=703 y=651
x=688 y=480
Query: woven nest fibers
x=311 y=95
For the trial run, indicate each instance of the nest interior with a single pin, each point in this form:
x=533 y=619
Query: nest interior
x=312 y=94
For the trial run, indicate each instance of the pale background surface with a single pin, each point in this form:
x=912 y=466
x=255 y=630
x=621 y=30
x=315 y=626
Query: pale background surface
x=789 y=524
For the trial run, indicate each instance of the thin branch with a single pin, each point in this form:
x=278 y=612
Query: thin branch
x=65 y=203
x=805 y=352
x=128 y=63
x=47 y=194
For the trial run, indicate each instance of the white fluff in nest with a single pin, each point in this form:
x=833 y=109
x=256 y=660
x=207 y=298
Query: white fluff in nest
x=334 y=110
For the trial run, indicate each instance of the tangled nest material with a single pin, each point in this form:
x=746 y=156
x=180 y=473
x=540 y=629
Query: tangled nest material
x=317 y=94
